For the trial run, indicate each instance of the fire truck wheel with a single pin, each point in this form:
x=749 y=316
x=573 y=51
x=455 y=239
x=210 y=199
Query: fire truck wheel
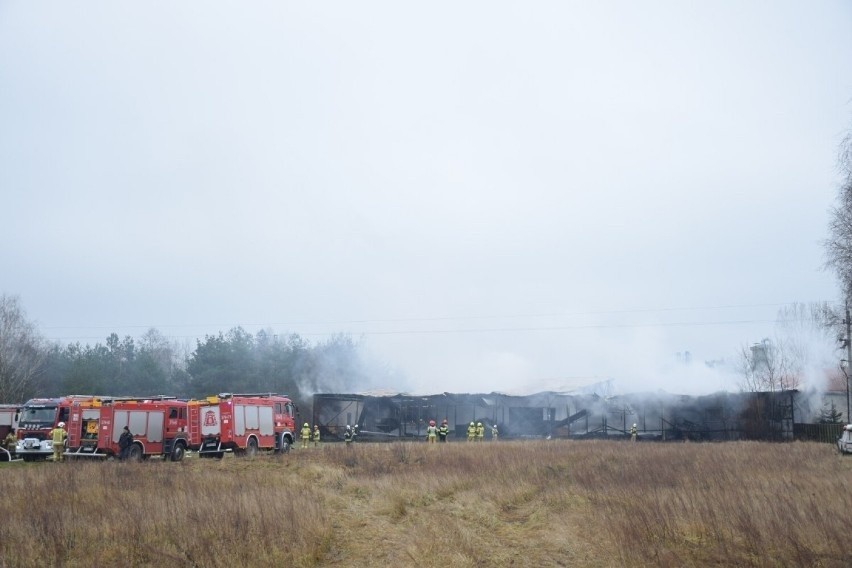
x=251 y=447
x=134 y=453
x=178 y=452
x=283 y=444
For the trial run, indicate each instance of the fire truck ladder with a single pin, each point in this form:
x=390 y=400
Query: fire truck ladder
x=194 y=422
x=156 y=398
x=227 y=395
x=85 y=452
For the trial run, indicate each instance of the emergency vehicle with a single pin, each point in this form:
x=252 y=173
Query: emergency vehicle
x=158 y=426
x=38 y=416
x=844 y=442
x=241 y=423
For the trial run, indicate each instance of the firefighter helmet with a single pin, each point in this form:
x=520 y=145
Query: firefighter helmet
x=444 y=421
x=431 y=423
x=472 y=424
x=479 y=423
x=61 y=424
x=306 y=425
x=634 y=425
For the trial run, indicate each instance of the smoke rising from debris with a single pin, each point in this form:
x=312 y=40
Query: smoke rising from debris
x=631 y=360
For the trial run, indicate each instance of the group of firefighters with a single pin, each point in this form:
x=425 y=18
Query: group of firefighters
x=57 y=438
x=475 y=433
x=307 y=436
x=58 y=435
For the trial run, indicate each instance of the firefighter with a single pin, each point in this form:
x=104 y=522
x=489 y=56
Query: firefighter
x=431 y=432
x=347 y=435
x=494 y=433
x=355 y=433
x=471 y=432
x=443 y=430
x=306 y=435
x=124 y=443
x=11 y=442
x=58 y=436
x=633 y=433
x=480 y=432
x=316 y=436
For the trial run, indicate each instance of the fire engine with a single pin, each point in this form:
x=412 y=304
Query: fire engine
x=158 y=425
x=37 y=418
x=241 y=423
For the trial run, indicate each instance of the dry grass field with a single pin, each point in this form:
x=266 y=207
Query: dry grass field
x=542 y=503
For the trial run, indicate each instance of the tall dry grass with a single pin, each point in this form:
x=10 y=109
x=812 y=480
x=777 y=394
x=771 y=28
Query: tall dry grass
x=548 y=503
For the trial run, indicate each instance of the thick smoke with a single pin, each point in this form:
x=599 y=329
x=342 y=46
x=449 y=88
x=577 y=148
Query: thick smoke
x=632 y=360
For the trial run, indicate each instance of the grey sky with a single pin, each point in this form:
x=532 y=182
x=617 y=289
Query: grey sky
x=491 y=194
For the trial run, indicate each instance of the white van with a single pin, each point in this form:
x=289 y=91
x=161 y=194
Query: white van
x=844 y=442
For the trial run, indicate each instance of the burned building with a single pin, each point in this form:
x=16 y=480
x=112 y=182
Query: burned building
x=661 y=416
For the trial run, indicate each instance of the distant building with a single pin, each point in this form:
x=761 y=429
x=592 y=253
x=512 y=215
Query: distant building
x=659 y=415
x=760 y=353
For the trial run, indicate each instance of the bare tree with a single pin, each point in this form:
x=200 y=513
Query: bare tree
x=838 y=246
x=808 y=334
x=767 y=367
x=22 y=353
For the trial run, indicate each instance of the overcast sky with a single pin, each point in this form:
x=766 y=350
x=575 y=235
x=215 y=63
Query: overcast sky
x=488 y=195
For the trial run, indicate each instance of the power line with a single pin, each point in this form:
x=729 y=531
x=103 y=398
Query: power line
x=426 y=319
x=494 y=329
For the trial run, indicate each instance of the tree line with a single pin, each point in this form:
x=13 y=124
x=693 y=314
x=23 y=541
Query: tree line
x=235 y=361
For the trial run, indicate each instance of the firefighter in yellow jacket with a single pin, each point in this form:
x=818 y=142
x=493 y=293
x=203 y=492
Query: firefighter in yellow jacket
x=316 y=437
x=480 y=432
x=443 y=431
x=471 y=432
x=306 y=435
x=58 y=436
x=10 y=442
x=431 y=432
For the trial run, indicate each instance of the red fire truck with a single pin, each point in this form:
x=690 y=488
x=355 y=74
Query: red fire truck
x=37 y=418
x=158 y=425
x=241 y=423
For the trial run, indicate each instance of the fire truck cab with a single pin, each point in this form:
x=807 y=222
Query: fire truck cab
x=38 y=416
x=158 y=426
x=241 y=423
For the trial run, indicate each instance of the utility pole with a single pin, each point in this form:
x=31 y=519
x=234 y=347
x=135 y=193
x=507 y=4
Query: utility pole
x=848 y=323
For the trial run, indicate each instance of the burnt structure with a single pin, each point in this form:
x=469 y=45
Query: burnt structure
x=660 y=415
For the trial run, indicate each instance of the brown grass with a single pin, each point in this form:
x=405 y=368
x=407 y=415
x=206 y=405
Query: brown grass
x=556 y=503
